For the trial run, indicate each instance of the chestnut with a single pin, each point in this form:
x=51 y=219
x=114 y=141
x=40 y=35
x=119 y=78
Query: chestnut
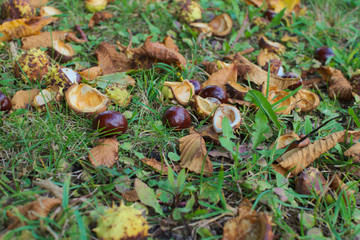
x=177 y=117
x=269 y=14
x=197 y=86
x=110 y=123
x=323 y=54
x=5 y=103
x=215 y=92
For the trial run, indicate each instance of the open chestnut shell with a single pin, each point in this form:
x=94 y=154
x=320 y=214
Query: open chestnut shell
x=110 y=123
x=229 y=111
x=221 y=25
x=205 y=106
x=177 y=117
x=48 y=11
x=61 y=51
x=84 y=99
x=181 y=91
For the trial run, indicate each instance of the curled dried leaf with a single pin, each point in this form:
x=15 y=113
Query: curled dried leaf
x=169 y=43
x=354 y=152
x=44 y=39
x=209 y=134
x=23 y=27
x=158 y=166
x=248 y=225
x=104 y=154
x=338 y=185
x=194 y=154
x=91 y=73
x=339 y=86
x=223 y=76
x=249 y=71
x=307 y=100
x=298 y=159
x=38 y=3
x=22 y=98
x=99 y=17
x=32 y=211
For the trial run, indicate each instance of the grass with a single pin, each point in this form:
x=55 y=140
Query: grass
x=54 y=144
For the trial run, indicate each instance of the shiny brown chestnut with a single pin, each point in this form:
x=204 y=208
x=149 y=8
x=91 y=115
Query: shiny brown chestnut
x=5 y=103
x=177 y=117
x=215 y=92
x=110 y=123
x=197 y=86
x=323 y=54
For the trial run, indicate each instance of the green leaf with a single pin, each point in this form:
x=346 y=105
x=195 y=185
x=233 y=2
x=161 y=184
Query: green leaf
x=260 y=101
x=173 y=156
x=228 y=132
x=118 y=78
x=181 y=178
x=355 y=118
x=308 y=125
x=260 y=127
x=277 y=19
x=147 y=196
x=66 y=188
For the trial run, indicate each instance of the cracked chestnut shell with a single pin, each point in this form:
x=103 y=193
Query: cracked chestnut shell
x=177 y=117
x=215 y=92
x=110 y=123
x=5 y=103
x=323 y=54
x=14 y=9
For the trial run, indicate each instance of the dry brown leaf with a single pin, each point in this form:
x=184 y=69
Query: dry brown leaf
x=130 y=196
x=194 y=153
x=338 y=185
x=209 y=134
x=32 y=211
x=38 y=3
x=23 y=98
x=248 y=225
x=223 y=76
x=164 y=54
x=44 y=39
x=110 y=60
x=23 y=27
x=169 y=43
x=91 y=73
x=339 y=86
x=106 y=153
x=287 y=38
x=99 y=17
x=354 y=152
x=300 y=158
x=158 y=166
x=247 y=70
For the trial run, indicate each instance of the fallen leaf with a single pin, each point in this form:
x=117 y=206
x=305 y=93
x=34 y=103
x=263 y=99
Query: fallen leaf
x=147 y=196
x=339 y=86
x=91 y=73
x=110 y=60
x=248 y=225
x=338 y=185
x=23 y=98
x=23 y=27
x=278 y=5
x=169 y=43
x=287 y=38
x=223 y=76
x=106 y=153
x=130 y=196
x=297 y=159
x=194 y=154
x=354 y=152
x=164 y=54
x=158 y=166
x=209 y=134
x=44 y=39
x=32 y=211
x=99 y=17
x=38 y=3
x=249 y=71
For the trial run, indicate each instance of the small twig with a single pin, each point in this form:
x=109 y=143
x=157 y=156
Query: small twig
x=131 y=39
x=83 y=35
x=242 y=29
x=72 y=37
